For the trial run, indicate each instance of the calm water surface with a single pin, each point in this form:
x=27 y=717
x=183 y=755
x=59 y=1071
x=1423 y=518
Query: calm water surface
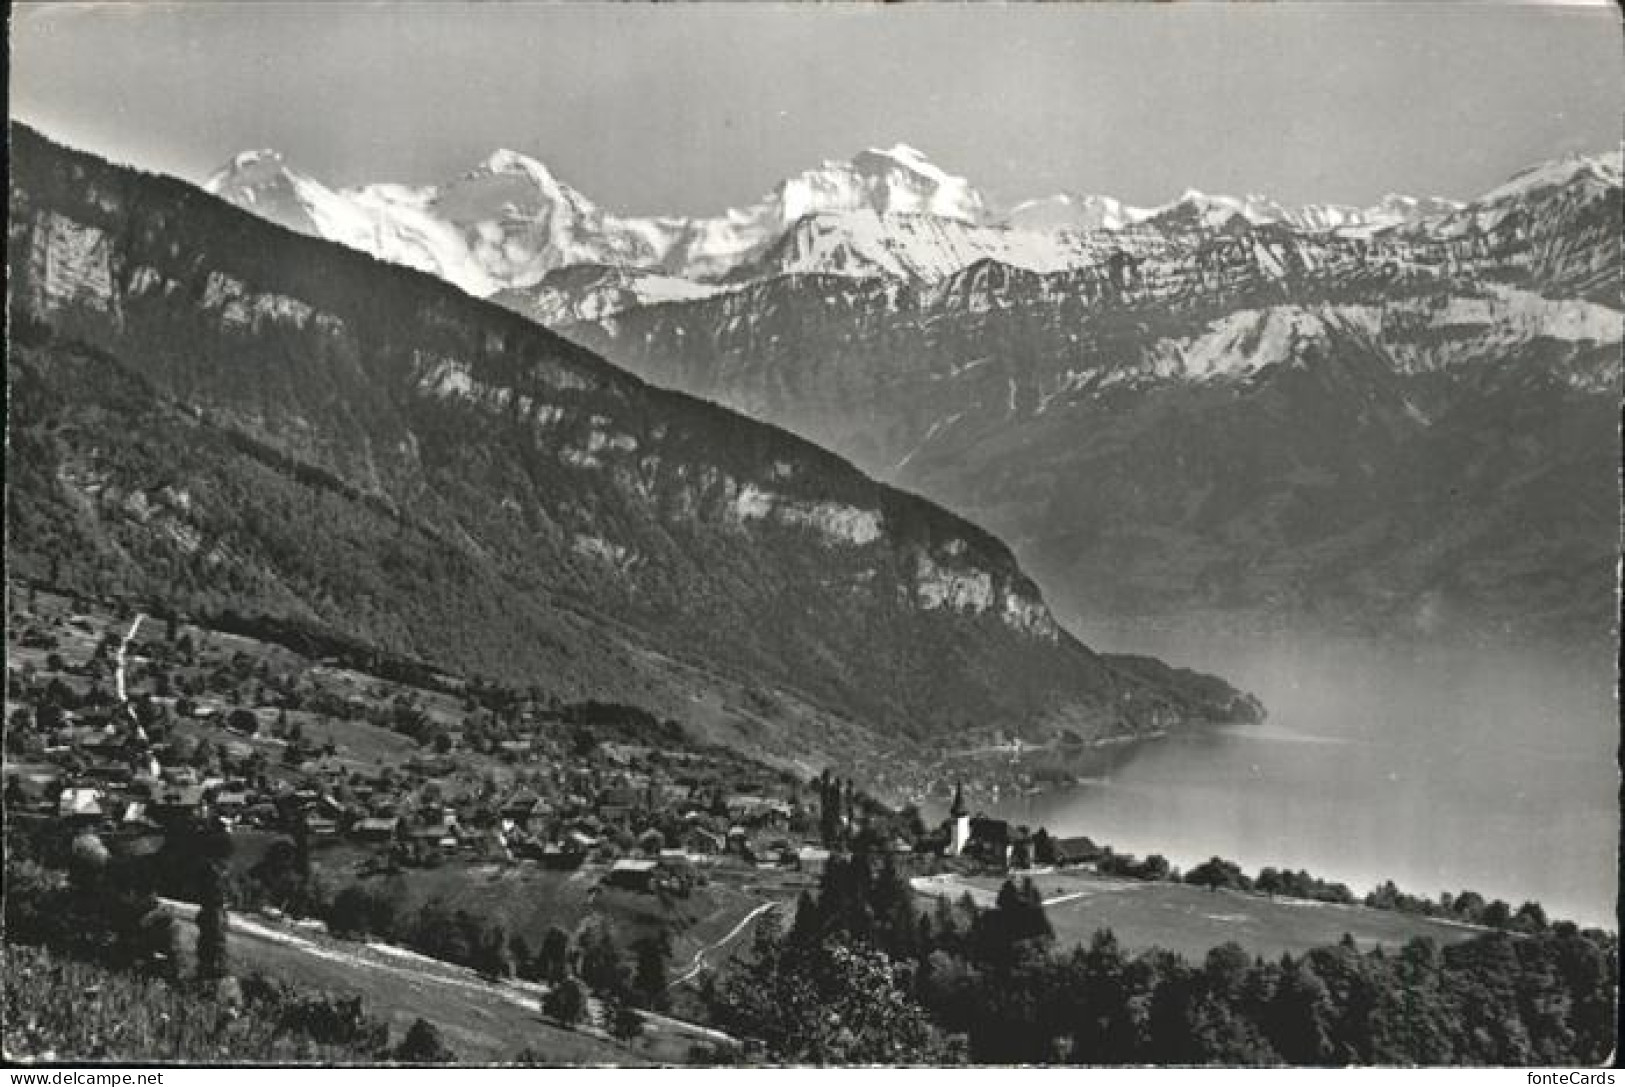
x=1441 y=768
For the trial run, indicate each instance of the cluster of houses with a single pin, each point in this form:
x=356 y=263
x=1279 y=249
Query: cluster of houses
x=654 y=816
x=650 y=815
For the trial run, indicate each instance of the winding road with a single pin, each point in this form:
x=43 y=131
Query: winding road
x=699 y=962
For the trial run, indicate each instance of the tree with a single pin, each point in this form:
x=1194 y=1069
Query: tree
x=492 y=953
x=565 y=1002
x=211 y=925
x=553 y=960
x=1469 y=905
x=1218 y=872
x=1224 y=971
x=280 y=877
x=831 y=1004
x=1110 y=1027
x=624 y=1021
x=243 y=720
x=1014 y=931
x=423 y=1045
x=601 y=965
x=522 y=958
x=1530 y=918
x=829 y=810
x=649 y=982
x=891 y=906
x=1297 y=1019
x=1171 y=1013
x=359 y=911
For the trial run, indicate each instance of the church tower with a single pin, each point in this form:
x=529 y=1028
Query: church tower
x=959 y=822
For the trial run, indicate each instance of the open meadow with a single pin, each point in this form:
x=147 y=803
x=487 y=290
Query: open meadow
x=1191 y=920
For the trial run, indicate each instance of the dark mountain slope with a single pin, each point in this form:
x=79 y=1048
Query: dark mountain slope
x=216 y=412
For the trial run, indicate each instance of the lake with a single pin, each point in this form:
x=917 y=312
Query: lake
x=1439 y=767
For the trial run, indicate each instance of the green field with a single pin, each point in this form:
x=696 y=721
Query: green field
x=482 y=1020
x=1192 y=920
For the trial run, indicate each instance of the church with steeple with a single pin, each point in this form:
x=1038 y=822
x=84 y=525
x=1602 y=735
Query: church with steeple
x=958 y=822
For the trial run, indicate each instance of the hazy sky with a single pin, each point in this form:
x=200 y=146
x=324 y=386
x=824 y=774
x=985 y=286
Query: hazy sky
x=689 y=108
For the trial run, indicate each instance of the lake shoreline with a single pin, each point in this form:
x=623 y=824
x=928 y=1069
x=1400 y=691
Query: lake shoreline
x=1441 y=767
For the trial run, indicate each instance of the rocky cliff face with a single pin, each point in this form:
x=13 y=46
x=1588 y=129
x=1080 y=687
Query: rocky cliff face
x=220 y=414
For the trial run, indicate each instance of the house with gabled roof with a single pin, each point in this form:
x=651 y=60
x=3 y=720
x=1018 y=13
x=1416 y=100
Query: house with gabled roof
x=633 y=874
x=376 y=828
x=81 y=805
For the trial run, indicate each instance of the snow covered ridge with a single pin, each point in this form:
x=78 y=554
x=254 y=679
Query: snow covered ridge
x=1241 y=344
x=1600 y=169
x=509 y=222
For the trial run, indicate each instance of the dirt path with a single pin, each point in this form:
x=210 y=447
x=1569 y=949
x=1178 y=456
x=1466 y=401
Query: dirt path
x=118 y=670
x=699 y=962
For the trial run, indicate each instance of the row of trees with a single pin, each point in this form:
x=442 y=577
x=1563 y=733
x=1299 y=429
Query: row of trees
x=1217 y=873
x=470 y=940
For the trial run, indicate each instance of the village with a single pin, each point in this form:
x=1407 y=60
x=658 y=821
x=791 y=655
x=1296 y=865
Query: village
x=128 y=727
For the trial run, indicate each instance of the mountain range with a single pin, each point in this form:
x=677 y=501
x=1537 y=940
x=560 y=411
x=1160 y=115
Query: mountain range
x=1223 y=411
x=220 y=416
x=508 y=222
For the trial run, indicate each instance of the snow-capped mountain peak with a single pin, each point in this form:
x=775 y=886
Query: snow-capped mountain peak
x=261 y=182
x=1198 y=209
x=898 y=180
x=509 y=185
x=910 y=158
x=1603 y=169
x=1069 y=211
x=506 y=161
x=508 y=221
x=514 y=166
x=246 y=169
x=266 y=157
